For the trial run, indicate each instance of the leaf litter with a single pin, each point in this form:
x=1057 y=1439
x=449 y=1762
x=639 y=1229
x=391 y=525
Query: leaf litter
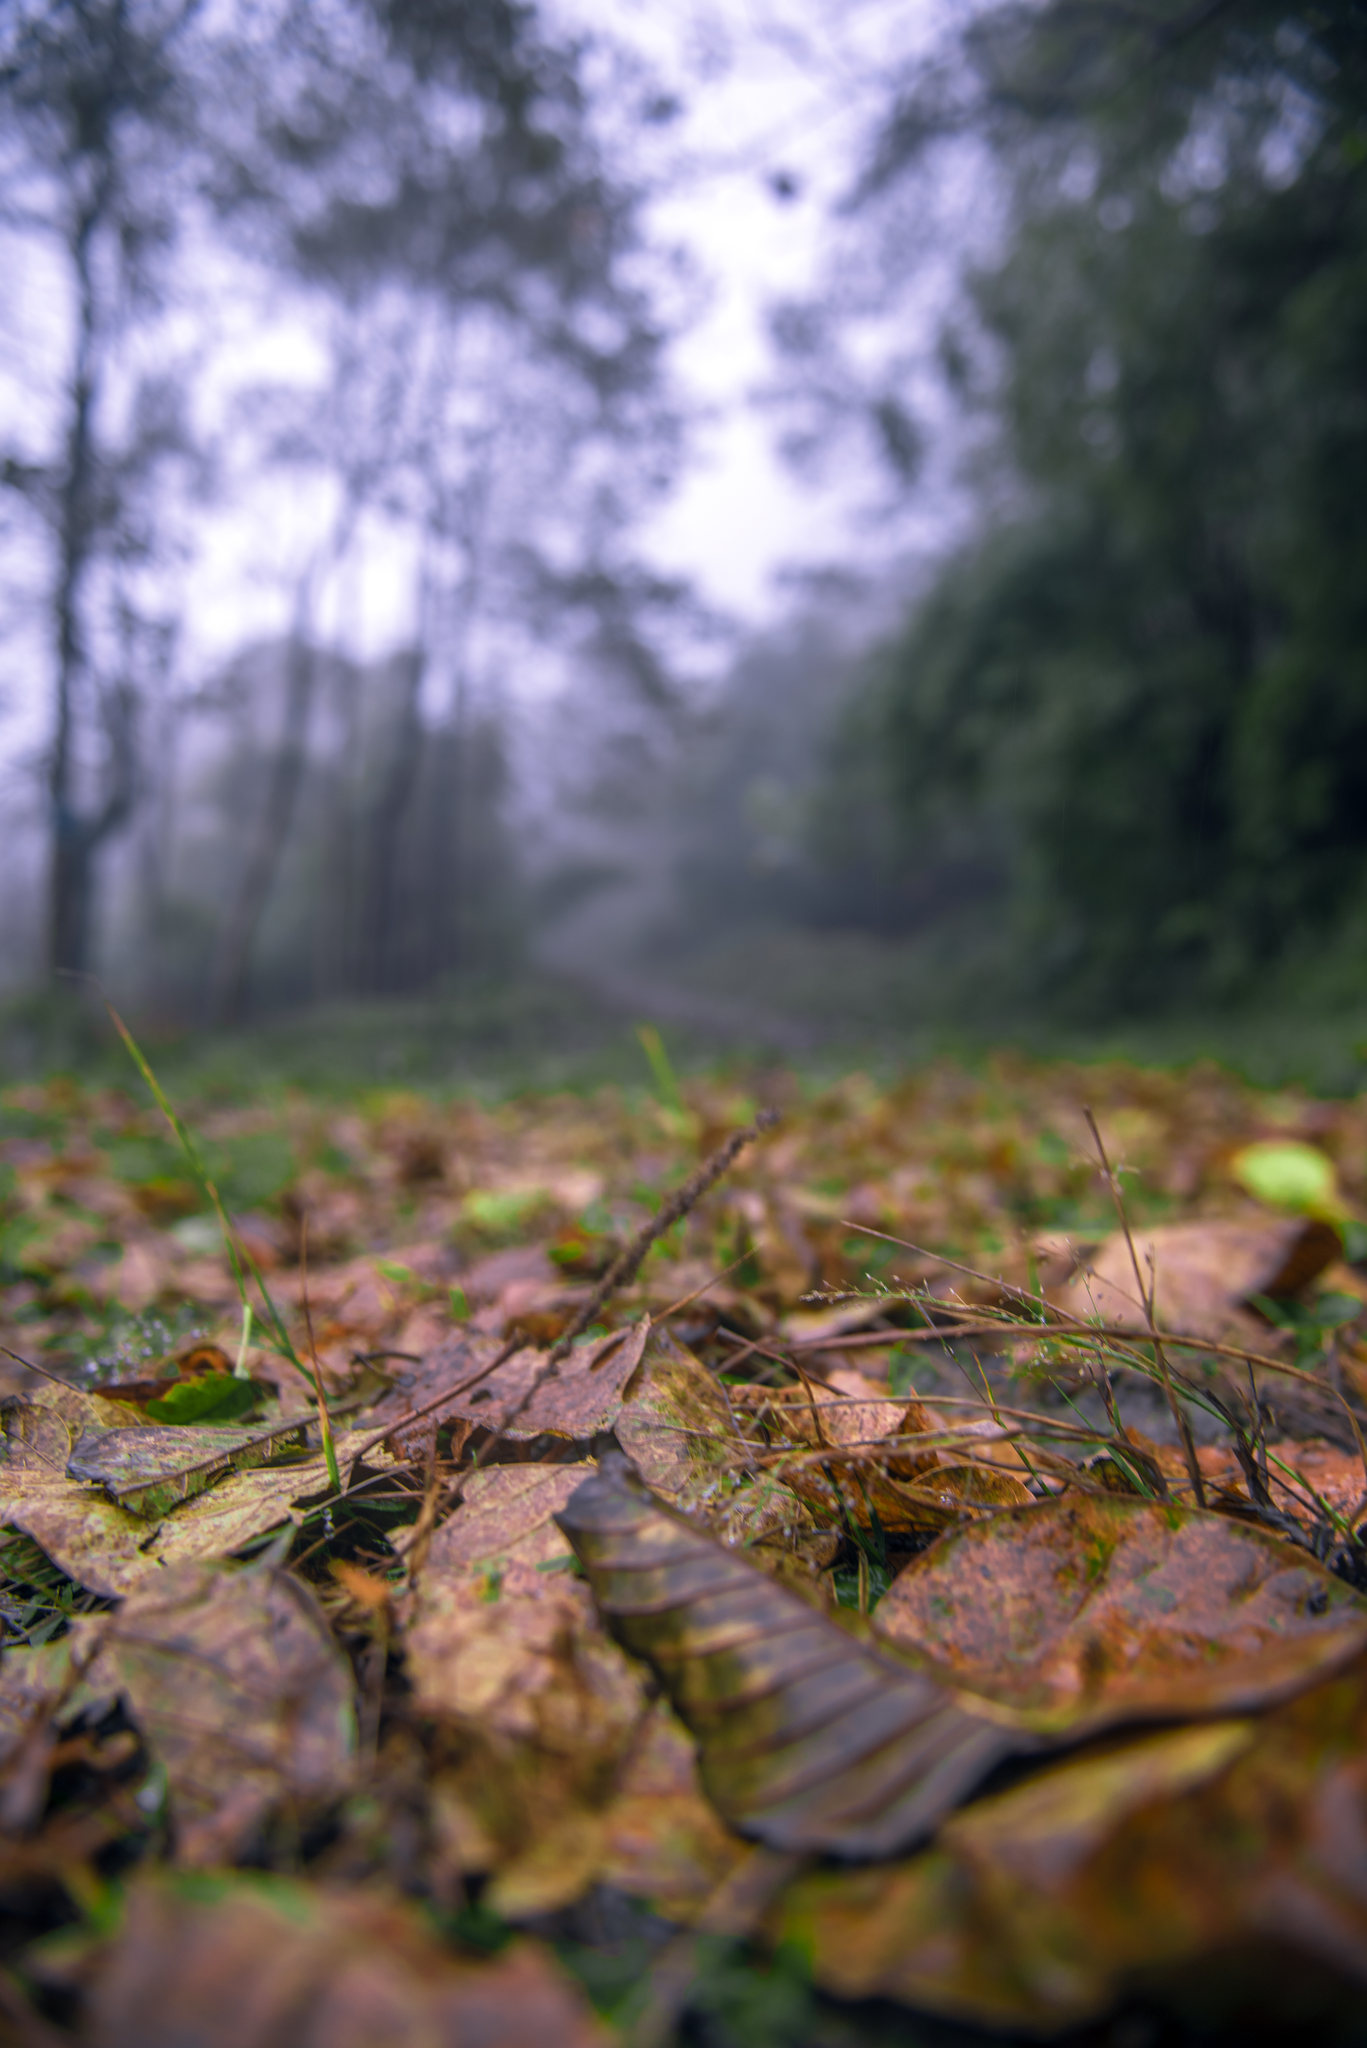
x=839 y=1538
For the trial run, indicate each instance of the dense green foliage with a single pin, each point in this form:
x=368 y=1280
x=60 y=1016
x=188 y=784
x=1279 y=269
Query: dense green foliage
x=1146 y=680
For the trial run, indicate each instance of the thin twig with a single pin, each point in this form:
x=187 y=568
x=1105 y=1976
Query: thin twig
x=43 y=1371
x=687 y=1300
x=631 y=1258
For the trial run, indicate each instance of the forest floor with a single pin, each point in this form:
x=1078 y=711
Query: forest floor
x=753 y=1560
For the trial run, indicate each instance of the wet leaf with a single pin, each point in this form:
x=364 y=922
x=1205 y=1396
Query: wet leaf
x=578 y=1397
x=810 y=1739
x=507 y=1511
x=111 y=1552
x=149 y=1470
x=234 y=1680
x=85 y=1535
x=1085 y=1611
x=215 y=1399
x=1224 y=1866
x=675 y=1423
x=228 y=1961
x=1204 y=1274
x=546 y=1706
x=238 y=1509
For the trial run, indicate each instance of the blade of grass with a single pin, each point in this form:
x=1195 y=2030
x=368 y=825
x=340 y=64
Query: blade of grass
x=1147 y=1298
x=324 y=1419
x=239 y=1257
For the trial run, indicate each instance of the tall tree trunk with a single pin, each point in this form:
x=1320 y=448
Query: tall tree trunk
x=77 y=835
x=232 y=968
x=381 y=922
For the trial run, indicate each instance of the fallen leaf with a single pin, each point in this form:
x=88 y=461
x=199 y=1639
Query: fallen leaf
x=576 y=1399
x=1288 y=1174
x=517 y=1653
x=507 y=1511
x=279 y=1964
x=1219 y=1869
x=240 y=1508
x=216 y=1399
x=1088 y=1610
x=235 y=1682
x=679 y=1429
x=515 y=1661
x=659 y=1837
x=675 y=1422
x=810 y=1739
x=32 y=1683
x=903 y=1491
x=1204 y=1274
x=84 y=1534
x=149 y=1470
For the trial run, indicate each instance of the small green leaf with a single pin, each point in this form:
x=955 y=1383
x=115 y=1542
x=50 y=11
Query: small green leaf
x=215 y=1399
x=1287 y=1174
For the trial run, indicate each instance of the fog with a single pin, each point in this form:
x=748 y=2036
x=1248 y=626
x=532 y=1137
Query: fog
x=789 y=524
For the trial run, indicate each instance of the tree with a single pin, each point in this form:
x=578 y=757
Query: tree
x=424 y=182
x=492 y=339
x=99 y=114
x=1146 y=677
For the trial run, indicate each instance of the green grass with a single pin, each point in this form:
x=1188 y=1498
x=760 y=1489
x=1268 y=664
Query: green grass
x=859 y=1002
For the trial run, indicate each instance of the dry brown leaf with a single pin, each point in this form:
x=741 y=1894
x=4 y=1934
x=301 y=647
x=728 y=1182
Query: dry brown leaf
x=903 y=1490
x=506 y=1512
x=276 y=1964
x=1085 y=1611
x=576 y=1399
x=675 y=1424
x=1205 y=1274
x=240 y=1692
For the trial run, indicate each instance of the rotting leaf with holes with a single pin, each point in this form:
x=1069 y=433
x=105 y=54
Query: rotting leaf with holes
x=281 y=1964
x=1090 y=1610
x=150 y=1470
x=810 y=1739
x=240 y=1692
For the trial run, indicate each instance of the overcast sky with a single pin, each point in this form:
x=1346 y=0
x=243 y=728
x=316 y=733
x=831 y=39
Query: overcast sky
x=772 y=91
